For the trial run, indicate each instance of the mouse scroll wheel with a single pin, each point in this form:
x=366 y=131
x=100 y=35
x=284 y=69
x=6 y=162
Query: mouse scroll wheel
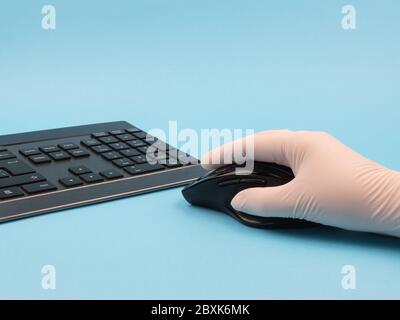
x=242 y=180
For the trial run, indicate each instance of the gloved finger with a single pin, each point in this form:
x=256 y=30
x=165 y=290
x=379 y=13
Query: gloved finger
x=277 y=201
x=267 y=146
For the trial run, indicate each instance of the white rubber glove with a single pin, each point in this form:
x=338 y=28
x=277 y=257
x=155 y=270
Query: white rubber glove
x=333 y=184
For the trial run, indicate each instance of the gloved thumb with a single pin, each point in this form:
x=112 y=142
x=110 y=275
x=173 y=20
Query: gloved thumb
x=267 y=202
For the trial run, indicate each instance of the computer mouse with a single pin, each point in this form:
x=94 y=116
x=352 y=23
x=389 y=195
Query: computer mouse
x=217 y=188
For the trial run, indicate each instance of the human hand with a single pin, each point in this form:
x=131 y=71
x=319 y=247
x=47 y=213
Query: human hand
x=333 y=184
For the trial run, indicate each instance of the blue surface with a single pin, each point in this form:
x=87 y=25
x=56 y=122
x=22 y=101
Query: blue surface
x=206 y=64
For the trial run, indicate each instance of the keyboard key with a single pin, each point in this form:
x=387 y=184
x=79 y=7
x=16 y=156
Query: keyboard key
x=125 y=137
x=38 y=187
x=6 y=155
x=90 y=142
x=60 y=155
x=39 y=159
x=10 y=193
x=16 y=167
x=143 y=168
x=91 y=177
x=150 y=139
x=48 y=149
x=79 y=153
x=111 y=174
x=171 y=150
x=136 y=143
x=99 y=134
x=116 y=132
x=182 y=156
x=140 y=135
x=108 y=140
x=18 y=180
x=111 y=155
x=124 y=162
x=172 y=164
x=144 y=149
x=71 y=182
x=159 y=156
x=119 y=146
x=139 y=159
x=160 y=145
x=101 y=149
x=79 y=170
x=3 y=174
x=29 y=152
x=130 y=152
x=3 y=149
x=133 y=130
x=68 y=146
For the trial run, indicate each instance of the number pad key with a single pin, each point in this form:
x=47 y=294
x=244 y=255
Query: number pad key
x=143 y=168
x=139 y=159
x=111 y=155
x=140 y=135
x=116 y=132
x=130 y=152
x=119 y=146
x=108 y=140
x=136 y=143
x=125 y=137
x=124 y=162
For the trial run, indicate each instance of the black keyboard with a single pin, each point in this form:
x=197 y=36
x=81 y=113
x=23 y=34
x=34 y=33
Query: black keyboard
x=50 y=170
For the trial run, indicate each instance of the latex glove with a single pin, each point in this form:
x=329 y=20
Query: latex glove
x=333 y=184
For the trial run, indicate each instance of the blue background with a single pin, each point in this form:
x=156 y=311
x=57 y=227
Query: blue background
x=206 y=64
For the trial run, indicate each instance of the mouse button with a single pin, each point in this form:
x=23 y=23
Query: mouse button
x=247 y=219
x=264 y=222
x=253 y=180
x=272 y=168
x=280 y=173
x=228 y=182
x=272 y=222
x=273 y=175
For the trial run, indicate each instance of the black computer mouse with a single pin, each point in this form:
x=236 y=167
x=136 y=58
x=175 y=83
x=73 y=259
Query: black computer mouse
x=217 y=188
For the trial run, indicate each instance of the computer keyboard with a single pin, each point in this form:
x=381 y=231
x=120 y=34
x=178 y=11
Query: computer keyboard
x=50 y=170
